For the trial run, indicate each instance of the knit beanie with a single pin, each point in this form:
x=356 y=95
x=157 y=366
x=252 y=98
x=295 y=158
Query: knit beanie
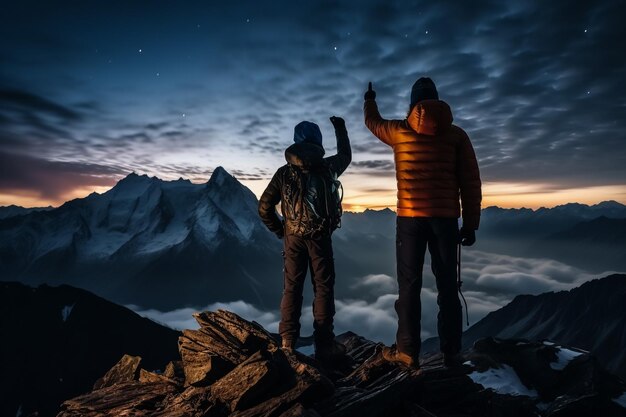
x=423 y=89
x=307 y=132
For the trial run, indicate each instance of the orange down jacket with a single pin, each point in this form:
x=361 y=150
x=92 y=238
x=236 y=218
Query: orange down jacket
x=435 y=162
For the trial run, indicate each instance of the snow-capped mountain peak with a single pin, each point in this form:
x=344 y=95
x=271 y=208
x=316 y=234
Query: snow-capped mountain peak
x=139 y=220
x=220 y=177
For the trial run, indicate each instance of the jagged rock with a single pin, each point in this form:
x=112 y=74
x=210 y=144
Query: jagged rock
x=359 y=348
x=300 y=383
x=574 y=381
x=146 y=376
x=127 y=369
x=174 y=369
x=201 y=367
x=255 y=378
x=245 y=385
x=192 y=402
x=222 y=342
x=127 y=398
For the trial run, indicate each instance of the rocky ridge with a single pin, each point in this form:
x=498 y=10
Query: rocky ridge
x=234 y=367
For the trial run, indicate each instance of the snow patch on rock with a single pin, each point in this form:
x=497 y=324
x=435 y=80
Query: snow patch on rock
x=564 y=356
x=502 y=380
x=66 y=311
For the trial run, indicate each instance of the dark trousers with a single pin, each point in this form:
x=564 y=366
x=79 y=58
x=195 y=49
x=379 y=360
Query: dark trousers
x=299 y=255
x=413 y=235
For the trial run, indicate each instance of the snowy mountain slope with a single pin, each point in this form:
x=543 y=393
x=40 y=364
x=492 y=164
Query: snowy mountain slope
x=149 y=242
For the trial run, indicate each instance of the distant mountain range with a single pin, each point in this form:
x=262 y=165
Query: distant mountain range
x=590 y=317
x=168 y=244
x=544 y=221
x=13 y=210
x=597 y=244
x=589 y=237
x=56 y=341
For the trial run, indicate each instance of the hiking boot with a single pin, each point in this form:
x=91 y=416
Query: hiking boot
x=288 y=345
x=330 y=352
x=392 y=354
x=452 y=360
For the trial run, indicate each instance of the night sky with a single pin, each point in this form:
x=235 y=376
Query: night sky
x=91 y=91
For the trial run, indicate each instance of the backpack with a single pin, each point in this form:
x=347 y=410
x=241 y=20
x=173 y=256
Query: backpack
x=312 y=201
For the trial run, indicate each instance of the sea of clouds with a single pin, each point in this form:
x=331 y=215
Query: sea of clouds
x=490 y=281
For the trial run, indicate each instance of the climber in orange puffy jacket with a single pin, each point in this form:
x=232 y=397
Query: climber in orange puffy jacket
x=435 y=168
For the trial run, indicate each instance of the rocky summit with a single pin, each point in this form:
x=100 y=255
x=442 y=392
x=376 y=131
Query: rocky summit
x=230 y=366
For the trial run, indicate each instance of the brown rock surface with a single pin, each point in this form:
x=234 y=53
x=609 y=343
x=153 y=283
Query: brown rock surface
x=127 y=369
x=232 y=367
x=246 y=385
x=129 y=398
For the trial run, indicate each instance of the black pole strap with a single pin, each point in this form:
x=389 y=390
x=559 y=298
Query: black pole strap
x=460 y=283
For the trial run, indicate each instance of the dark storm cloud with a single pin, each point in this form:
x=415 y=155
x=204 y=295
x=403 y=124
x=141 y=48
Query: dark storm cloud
x=156 y=126
x=141 y=136
x=52 y=179
x=538 y=86
x=16 y=101
x=30 y=122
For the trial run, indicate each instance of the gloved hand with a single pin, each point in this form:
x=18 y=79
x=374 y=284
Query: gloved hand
x=467 y=237
x=370 y=94
x=338 y=122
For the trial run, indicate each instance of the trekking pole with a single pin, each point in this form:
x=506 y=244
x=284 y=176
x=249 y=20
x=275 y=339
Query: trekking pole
x=460 y=282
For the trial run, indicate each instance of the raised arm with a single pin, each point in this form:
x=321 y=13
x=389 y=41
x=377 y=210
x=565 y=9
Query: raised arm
x=381 y=128
x=267 y=205
x=468 y=176
x=338 y=163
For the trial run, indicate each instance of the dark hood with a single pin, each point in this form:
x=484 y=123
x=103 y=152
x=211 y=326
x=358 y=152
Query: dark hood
x=430 y=117
x=304 y=155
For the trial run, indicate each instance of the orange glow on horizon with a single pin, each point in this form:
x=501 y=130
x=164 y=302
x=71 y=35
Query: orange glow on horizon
x=505 y=196
x=32 y=199
x=380 y=193
x=517 y=195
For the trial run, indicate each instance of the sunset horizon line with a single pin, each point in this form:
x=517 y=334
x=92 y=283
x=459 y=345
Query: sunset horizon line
x=531 y=197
